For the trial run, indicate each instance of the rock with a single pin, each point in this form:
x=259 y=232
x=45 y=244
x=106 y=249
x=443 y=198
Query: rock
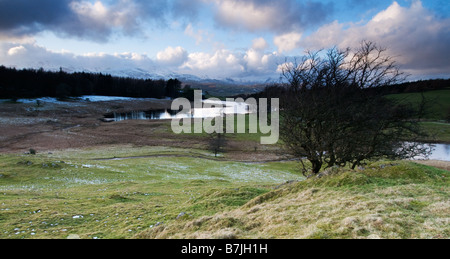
x=182 y=214
x=329 y=171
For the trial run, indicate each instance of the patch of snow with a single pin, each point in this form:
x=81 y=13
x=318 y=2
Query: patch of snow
x=85 y=98
x=99 y=98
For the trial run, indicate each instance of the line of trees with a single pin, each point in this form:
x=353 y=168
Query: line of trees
x=31 y=83
x=279 y=90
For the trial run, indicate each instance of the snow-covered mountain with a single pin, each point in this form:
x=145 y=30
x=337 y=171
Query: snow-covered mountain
x=158 y=73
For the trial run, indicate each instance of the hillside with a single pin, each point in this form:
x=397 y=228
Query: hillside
x=438 y=102
x=384 y=200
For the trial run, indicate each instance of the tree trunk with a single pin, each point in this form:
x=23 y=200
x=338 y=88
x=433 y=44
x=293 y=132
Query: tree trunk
x=316 y=166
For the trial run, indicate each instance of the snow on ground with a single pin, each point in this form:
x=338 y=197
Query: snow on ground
x=85 y=98
x=23 y=120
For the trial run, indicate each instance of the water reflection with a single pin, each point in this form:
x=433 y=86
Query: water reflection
x=143 y=115
x=224 y=108
x=440 y=152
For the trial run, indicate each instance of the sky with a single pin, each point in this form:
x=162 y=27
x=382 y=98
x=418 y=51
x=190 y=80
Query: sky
x=237 y=39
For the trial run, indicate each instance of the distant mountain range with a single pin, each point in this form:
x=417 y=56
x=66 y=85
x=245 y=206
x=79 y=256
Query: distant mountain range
x=157 y=73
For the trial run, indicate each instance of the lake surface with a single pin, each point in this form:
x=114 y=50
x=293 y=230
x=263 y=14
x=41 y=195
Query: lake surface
x=225 y=109
x=440 y=152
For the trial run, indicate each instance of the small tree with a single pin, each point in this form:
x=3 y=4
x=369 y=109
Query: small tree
x=173 y=88
x=334 y=113
x=217 y=143
x=448 y=115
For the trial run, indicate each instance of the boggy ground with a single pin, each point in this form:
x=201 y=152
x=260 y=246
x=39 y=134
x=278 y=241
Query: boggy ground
x=72 y=125
x=69 y=125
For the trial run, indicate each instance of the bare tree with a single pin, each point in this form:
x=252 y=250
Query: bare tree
x=217 y=143
x=334 y=113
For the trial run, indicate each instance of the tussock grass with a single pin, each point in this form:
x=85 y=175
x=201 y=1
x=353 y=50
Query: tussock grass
x=385 y=200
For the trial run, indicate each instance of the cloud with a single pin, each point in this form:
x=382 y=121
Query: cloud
x=83 y=19
x=259 y=62
x=20 y=17
x=267 y=15
x=172 y=56
x=16 y=50
x=31 y=55
x=288 y=41
x=260 y=44
x=418 y=38
x=222 y=63
x=198 y=35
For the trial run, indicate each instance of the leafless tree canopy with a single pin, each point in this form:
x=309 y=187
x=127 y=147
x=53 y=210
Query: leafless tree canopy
x=334 y=115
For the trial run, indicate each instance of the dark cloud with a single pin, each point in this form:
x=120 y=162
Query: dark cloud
x=276 y=16
x=23 y=17
x=99 y=20
x=79 y=19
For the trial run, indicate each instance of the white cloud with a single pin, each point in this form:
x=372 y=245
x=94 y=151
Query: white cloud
x=16 y=50
x=250 y=64
x=222 y=63
x=94 y=11
x=259 y=62
x=285 y=67
x=247 y=14
x=35 y=56
x=198 y=35
x=288 y=41
x=416 y=37
x=172 y=56
x=259 y=44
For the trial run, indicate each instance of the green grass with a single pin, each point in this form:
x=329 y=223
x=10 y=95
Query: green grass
x=53 y=196
x=438 y=131
x=400 y=200
x=437 y=111
x=68 y=193
x=438 y=107
x=246 y=136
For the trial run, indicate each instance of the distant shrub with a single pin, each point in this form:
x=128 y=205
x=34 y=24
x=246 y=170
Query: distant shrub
x=448 y=115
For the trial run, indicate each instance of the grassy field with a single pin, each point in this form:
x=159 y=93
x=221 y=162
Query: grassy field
x=438 y=103
x=169 y=194
x=384 y=200
x=437 y=111
x=438 y=132
x=65 y=193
